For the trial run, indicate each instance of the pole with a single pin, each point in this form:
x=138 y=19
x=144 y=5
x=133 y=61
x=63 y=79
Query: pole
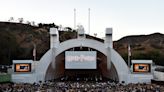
x=128 y=61
x=88 y=20
x=34 y=52
x=129 y=54
x=74 y=18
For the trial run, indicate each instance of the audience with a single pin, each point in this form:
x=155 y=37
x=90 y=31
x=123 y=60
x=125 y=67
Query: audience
x=80 y=86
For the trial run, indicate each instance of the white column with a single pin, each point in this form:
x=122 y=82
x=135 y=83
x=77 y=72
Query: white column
x=108 y=37
x=54 y=38
x=81 y=32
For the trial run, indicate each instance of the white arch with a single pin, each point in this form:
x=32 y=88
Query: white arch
x=120 y=65
x=115 y=58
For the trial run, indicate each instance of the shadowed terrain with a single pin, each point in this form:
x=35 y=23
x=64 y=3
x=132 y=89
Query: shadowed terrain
x=17 y=42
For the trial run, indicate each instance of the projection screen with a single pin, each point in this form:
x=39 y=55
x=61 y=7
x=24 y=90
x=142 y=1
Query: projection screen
x=80 y=60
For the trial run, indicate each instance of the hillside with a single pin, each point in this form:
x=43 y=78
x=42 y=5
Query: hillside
x=18 y=40
x=142 y=47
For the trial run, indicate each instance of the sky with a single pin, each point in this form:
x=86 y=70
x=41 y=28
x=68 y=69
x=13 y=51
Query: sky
x=126 y=17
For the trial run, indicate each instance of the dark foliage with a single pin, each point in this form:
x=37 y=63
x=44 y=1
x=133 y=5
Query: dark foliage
x=17 y=40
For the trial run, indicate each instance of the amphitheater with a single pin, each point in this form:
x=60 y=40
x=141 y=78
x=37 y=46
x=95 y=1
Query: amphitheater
x=98 y=59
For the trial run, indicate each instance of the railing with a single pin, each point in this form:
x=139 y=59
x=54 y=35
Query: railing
x=159 y=75
x=4 y=77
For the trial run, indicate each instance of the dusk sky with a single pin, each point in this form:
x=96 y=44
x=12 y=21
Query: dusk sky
x=126 y=17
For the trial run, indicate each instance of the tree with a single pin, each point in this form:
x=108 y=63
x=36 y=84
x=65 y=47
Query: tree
x=28 y=22
x=20 y=20
x=40 y=25
x=95 y=34
x=11 y=19
x=33 y=23
x=8 y=47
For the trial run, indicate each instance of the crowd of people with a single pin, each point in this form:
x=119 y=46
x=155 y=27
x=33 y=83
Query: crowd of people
x=80 y=86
